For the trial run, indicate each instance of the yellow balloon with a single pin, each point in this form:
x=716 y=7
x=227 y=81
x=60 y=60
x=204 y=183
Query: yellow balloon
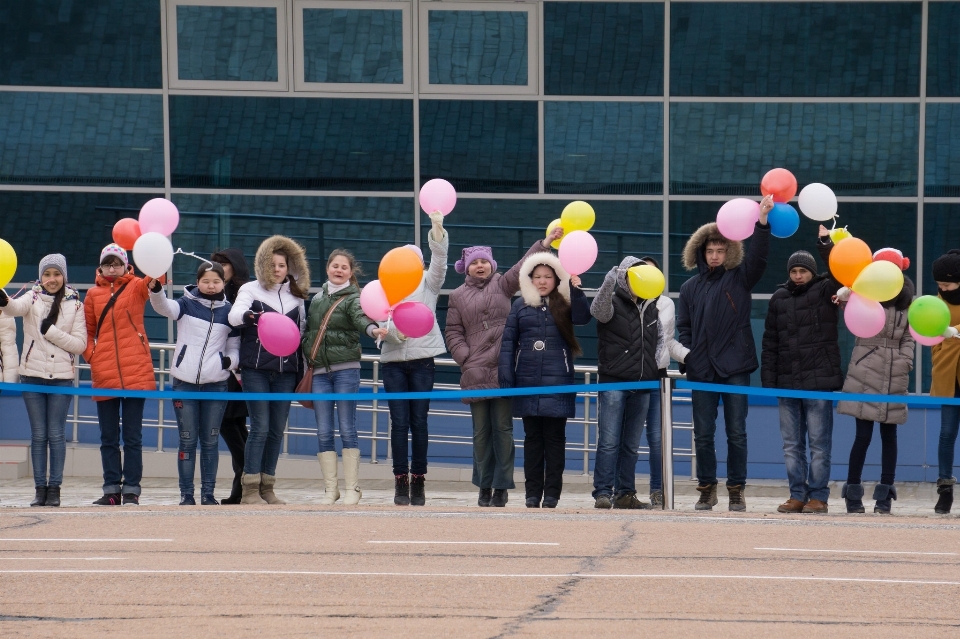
x=879 y=281
x=577 y=216
x=646 y=281
x=556 y=243
x=8 y=263
x=840 y=234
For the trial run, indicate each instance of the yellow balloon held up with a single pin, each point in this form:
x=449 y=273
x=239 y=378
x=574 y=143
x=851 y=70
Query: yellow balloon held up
x=840 y=234
x=577 y=216
x=646 y=281
x=8 y=263
x=879 y=281
x=556 y=243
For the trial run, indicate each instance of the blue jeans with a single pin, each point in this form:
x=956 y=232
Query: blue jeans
x=48 y=417
x=620 y=423
x=654 y=435
x=801 y=419
x=409 y=415
x=345 y=381
x=494 y=451
x=267 y=419
x=949 y=424
x=705 y=409
x=198 y=419
x=114 y=476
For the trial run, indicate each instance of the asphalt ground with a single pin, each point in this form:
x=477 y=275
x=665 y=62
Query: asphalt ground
x=451 y=569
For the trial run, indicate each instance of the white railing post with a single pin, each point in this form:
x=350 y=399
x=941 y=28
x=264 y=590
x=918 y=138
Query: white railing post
x=586 y=426
x=373 y=423
x=666 y=440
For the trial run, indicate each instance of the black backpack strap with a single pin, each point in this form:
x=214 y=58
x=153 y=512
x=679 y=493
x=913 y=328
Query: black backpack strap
x=103 y=315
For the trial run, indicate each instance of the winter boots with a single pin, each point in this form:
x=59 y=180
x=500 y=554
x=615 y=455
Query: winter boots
x=944 y=489
x=883 y=493
x=738 y=502
x=328 y=468
x=250 y=485
x=267 y=483
x=853 y=496
x=708 y=497
x=351 y=476
x=417 y=495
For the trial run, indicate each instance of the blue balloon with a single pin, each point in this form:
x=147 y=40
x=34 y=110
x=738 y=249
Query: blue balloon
x=783 y=220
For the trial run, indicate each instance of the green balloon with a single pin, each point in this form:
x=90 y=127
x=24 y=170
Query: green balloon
x=929 y=316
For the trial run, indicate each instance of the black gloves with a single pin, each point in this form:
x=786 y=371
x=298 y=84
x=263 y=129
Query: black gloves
x=45 y=325
x=156 y=286
x=250 y=318
x=3 y=297
x=683 y=369
x=225 y=363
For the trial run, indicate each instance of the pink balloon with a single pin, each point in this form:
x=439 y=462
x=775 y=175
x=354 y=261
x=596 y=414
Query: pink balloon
x=159 y=215
x=413 y=319
x=374 y=303
x=864 y=318
x=578 y=252
x=925 y=341
x=736 y=218
x=279 y=334
x=438 y=195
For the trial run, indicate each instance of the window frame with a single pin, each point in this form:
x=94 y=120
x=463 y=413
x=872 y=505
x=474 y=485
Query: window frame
x=175 y=82
x=532 y=87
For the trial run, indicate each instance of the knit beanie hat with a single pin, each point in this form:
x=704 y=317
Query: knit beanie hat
x=802 y=259
x=113 y=250
x=475 y=253
x=54 y=260
x=892 y=255
x=946 y=268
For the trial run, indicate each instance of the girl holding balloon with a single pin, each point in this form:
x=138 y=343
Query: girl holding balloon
x=331 y=346
x=945 y=378
x=282 y=284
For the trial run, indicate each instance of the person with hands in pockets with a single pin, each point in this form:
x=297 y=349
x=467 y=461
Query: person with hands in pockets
x=207 y=349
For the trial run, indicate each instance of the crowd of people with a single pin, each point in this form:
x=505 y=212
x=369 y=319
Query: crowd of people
x=499 y=341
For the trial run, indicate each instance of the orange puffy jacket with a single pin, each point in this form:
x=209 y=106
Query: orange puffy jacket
x=120 y=356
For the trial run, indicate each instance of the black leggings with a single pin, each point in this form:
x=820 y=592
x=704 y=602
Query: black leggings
x=888 y=456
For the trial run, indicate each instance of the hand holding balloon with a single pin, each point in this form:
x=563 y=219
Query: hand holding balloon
x=575 y=281
x=555 y=234
x=766 y=205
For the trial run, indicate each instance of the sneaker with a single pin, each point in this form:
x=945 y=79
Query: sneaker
x=130 y=498
x=208 y=500
x=550 y=502
x=185 y=500
x=486 y=494
x=533 y=502
x=417 y=496
x=791 y=506
x=816 y=506
x=738 y=503
x=708 y=497
x=500 y=498
x=656 y=499
x=111 y=499
x=630 y=501
x=603 y=501
x=401 y=490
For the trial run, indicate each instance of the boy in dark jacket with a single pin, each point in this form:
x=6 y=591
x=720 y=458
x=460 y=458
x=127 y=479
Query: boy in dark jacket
x=713 y=319
x=800 y=352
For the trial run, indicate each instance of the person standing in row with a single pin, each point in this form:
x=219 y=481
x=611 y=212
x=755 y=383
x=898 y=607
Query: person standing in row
x=54 y=332
x=331 y=346
x=119 y=357
x=477 y=312
x=538 y=349
x=946 y=376
x=407 y=366
x=283 y=282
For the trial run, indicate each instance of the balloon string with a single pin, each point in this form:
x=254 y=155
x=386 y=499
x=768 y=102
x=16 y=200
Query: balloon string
x=389 y=317
x=180 y=251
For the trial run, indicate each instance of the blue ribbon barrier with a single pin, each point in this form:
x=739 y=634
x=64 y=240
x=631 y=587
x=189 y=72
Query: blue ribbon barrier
x=833 y=396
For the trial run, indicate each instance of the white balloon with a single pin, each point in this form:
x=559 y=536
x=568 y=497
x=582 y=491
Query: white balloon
x=818 y=202
x=153 y=254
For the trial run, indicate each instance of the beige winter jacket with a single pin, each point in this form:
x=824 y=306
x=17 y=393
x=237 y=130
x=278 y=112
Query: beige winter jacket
x=50 y=356
x=9 y=357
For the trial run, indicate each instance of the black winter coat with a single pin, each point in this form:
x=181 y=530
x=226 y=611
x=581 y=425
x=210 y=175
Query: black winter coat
x=522 y=365
x=627 y=344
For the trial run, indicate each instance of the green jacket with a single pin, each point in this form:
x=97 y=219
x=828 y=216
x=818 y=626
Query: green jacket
x=341 y=343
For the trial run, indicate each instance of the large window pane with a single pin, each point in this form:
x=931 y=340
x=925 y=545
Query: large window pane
x=291 y=143
x=603 y=48
x=603 y=147
x=879 y=225
x=478 y=47
x=857 y=149
x=353 y=45
x=95 y=43
x=855 y=49
x=941 y=232
x=227 y=43
x=480 y=145
x=81 y=139
x=943 y=49
x=941 y=173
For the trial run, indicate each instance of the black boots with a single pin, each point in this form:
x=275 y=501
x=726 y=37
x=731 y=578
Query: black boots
x=41 y=498
x=883 y=493
x=853 y=496
x=53 y=497
x=401 y=493
x=945 y=490
x=499 y=499
x=486 y=494
x=417 y=496
x=236 y=492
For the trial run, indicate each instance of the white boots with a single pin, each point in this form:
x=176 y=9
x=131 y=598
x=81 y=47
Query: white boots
x=328 y=467
x=351 y=476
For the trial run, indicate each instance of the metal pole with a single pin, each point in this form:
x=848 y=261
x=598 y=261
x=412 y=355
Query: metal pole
x=666 y=440
x=586 y=427
x=373 y=426
x=163 y=358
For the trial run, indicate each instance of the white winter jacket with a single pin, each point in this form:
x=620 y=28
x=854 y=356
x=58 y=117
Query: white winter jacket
x=50 y=356
x=396 y=346
x=9 y=357
x=668 y=320
x=203 y=336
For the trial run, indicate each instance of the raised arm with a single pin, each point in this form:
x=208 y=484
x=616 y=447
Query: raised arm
x=166 y=307
x=825 y=247
x=602 y=306
x=755 y=260
x=439 y=241
x=20 y=306
x=510 y=282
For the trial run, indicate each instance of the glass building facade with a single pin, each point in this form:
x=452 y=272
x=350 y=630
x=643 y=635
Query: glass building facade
x=320 y=120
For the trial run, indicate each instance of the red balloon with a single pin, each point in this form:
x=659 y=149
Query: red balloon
x=126 y=232
x=779 y=183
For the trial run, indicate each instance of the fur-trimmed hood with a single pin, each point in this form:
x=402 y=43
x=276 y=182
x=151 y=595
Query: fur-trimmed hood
x=528 y=291
x=694 y=253
x=297 y=264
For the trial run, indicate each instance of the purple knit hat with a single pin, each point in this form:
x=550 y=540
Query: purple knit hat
x=475 y=253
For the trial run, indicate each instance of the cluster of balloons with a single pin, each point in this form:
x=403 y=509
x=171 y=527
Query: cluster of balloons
x=872 y=279
x=577 y=249
x=929 y=317
x=147 y=236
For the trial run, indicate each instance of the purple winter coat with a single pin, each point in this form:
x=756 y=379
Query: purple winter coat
x=475 y=319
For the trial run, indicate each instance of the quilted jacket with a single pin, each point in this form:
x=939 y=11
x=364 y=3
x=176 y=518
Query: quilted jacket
x=50 y=356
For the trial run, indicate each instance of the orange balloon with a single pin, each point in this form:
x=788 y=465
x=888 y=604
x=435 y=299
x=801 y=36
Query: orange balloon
x=400 y=273
x=848 y=257
x=126 y=232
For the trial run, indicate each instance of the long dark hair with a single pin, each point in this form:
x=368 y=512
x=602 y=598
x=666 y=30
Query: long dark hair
x=54 y=313
x=560 y=310
x=294 y=287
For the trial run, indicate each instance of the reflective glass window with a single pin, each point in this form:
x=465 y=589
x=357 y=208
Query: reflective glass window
x=227 y=43
x=480 y=145
x=603 y=147
x=603 y=48
x=353 y=45
x=856 y=149
x=941 y=173
x=478 y=47
x=96 y=43
x=855 y=49
x=941 y=232
x=291 y=143
x=943 y=49
x=81 y=138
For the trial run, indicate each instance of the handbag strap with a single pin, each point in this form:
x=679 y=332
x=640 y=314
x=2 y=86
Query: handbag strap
x=323 y=328
x=106 y=308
